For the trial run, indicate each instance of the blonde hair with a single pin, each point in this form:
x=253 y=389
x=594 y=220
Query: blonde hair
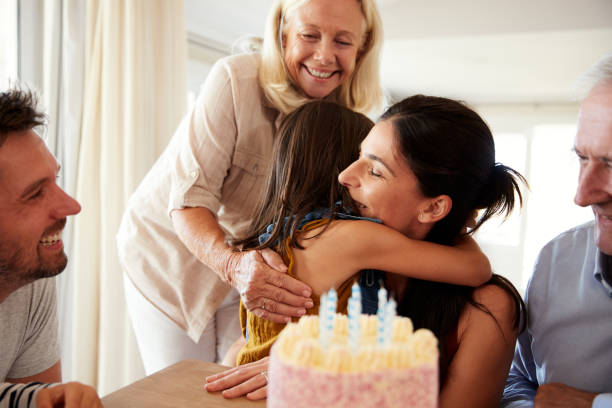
x=361 y=92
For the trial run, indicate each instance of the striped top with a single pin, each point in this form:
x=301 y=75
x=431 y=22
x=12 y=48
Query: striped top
x=20 y=395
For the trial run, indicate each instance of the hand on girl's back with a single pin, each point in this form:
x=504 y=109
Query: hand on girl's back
x=265 y=288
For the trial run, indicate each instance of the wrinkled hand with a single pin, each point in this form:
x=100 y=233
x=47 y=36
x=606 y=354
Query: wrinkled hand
x=68 y=395
x=264 y=286
x=246 y=380
x=556 y=395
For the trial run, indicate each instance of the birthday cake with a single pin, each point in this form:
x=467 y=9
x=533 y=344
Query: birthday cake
x=332 y=360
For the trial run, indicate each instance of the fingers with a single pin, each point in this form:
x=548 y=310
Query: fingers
x=273 y=260
x=278 y=312
x=280 y=278
x=90 y=400
x=69 y=395
x=258 y=394
x=272 y=288
x=72 y=396
x=276 y=300
x=254 y=272
x=275 y=311
x=43 y=399
x=290 y=284
x=235 y=376
x=277 y=295
x=222 y=374
x=251 y=385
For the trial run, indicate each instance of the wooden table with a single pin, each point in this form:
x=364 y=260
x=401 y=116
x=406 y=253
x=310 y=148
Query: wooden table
x=180 y=385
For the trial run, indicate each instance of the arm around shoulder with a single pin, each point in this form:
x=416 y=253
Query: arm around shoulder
x=375 y=246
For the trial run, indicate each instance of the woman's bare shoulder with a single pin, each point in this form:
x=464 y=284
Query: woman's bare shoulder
x=496 y=299
x=495 y=306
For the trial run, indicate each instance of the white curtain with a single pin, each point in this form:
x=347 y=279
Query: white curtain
x=134 y=97
x=62 y=91
x=52 y=54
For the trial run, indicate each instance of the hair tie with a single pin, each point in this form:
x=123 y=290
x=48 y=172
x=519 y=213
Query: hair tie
x=496 y=168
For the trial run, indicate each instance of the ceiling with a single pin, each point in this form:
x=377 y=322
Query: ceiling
x=481 y=51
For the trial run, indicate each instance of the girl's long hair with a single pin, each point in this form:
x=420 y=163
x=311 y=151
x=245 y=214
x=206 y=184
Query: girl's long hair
x=313 y=145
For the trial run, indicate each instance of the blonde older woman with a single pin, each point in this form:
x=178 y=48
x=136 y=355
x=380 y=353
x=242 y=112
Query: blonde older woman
x=182 y=281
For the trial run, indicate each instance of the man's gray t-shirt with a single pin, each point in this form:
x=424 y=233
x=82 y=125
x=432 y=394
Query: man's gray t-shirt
x=28 y=330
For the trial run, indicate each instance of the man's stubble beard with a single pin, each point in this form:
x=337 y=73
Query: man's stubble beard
x=15 y=271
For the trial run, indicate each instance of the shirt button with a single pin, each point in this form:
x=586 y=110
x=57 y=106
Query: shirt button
x=194 y=174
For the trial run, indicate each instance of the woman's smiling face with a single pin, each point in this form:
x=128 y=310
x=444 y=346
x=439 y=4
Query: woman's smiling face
x=383 y=186
x=321 y=43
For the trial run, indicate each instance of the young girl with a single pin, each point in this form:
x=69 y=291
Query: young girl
x=300 y=216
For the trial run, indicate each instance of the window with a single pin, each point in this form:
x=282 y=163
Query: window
x=511 y=150
x=537 y=142
x=8 y=41
x=553 y=178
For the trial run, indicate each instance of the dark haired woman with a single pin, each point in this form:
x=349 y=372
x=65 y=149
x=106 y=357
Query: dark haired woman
x=437 y=158
x=342 y=248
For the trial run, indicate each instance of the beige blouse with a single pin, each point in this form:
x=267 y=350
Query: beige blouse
x=216 y=159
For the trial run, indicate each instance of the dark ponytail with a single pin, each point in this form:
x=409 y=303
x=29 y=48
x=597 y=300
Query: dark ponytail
x=450 y=150
x=498 y=197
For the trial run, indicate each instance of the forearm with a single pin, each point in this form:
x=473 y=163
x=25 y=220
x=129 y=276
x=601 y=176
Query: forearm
x=202 y=235
x=259 y=276
x=474 y=256
x=232 y=354
x=464 y=265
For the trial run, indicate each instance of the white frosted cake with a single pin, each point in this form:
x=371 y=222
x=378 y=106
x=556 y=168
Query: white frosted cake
x=344 y=369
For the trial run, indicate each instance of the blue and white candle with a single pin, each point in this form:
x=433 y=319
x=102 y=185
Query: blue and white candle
x=327 y=315
x=354 y=317
x=322 y=320
x=390 y=313
x=332 y=303
x=380 y=314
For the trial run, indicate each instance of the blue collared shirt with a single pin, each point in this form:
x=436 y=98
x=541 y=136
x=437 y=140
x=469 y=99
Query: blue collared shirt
x=569 y=332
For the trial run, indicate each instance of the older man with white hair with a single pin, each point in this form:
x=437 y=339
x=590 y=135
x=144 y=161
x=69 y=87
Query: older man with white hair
x=564 y=358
